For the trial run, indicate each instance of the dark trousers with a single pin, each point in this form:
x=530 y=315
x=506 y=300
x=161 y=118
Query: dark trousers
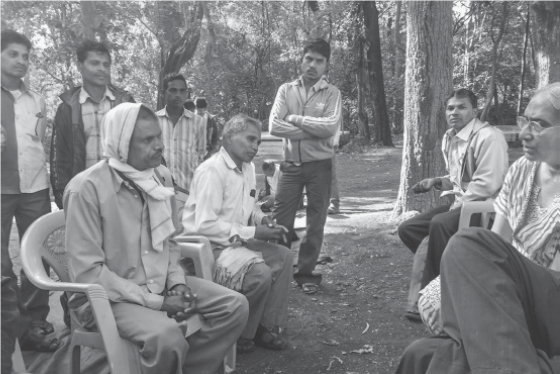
x=440 y=224
x=26 y=207
x=316 y=178
x=500 y=310
x=10 y=322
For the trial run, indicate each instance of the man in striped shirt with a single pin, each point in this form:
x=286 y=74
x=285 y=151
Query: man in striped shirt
x=182 y=132
x=307 y=114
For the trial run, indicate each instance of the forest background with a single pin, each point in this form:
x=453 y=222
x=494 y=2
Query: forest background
x=386 y=57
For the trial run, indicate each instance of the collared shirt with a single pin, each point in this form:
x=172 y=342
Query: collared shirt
x=273 y=181
x=24 y=123
x=456 y=155
x=222 y=201
x=108 y=239
x=92 y=115
x=185 y=144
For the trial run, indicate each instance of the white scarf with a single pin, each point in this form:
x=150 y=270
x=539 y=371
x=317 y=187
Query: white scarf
x=116 y=132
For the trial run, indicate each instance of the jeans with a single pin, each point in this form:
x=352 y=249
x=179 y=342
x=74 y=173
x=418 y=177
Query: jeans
x=26 y=207
x=315 y=176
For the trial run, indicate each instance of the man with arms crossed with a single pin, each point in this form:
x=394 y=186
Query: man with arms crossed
x=307 y=114
x=118 y=228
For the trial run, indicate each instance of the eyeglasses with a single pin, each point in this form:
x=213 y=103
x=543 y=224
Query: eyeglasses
x=534 y=126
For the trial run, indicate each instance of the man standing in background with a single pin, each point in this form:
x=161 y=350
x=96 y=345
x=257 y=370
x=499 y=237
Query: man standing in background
x=307 y=114
x=212 y=130
x=76 y=139
x=182 y=132
x=25 y=187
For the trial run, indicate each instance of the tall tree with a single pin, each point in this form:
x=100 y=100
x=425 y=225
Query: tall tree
x=382 y=126
x=428 y=82
x=545 y=32
x=496 y=39
x=524 y=61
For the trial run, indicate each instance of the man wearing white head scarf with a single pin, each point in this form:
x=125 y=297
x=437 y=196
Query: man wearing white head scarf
x=118 y=234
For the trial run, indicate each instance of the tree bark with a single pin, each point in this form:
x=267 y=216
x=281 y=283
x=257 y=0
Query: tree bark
x=523 y=62
x=495 y=44
x=428 y=80
x=88 y=13
x=382 y=126
x=363 y=122
x=545 y=33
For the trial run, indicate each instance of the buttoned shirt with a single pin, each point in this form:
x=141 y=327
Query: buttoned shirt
x=185 y=144
x=222 y=200
x=456 y=154
x=108 y=239
x=24 y=156
x=92 y=115
x=273 y=181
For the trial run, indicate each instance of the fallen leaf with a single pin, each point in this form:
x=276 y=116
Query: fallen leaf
x=330 y=342
x=367 y=328
x=333 y=358
x=365 y=349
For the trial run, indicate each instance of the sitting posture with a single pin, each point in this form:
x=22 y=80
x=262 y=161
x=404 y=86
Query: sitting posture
x=222 y=207
x=118 y=227
x=476 y=159
x=272 y=175
x=500 y=294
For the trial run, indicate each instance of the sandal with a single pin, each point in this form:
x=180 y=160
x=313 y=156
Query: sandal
x=413 y=316
x=309 y=288
x=269 y=339
x=47 y=327
x=34 y=339
x=245 y=346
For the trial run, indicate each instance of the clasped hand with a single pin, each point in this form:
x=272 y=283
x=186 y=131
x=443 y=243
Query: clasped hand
x=270 y=230
x=179 y=302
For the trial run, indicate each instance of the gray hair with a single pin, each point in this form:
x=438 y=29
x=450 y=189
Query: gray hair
x=239 y=123
x=553 y=91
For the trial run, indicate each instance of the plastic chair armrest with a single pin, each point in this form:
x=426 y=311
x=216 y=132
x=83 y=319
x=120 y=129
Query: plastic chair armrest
x=472 y=207
x=200 y=252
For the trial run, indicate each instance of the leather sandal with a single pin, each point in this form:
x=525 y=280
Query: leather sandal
x=245 y=346
x=310 y=288
x=269 y=340
x=34 y=339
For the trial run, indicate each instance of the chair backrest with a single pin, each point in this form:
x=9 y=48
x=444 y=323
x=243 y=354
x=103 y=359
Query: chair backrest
x=45 y=240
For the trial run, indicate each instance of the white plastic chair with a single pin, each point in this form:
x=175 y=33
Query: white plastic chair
x=44 y=241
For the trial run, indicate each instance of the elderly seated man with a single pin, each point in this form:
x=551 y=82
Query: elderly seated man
x=222 y=207
x=118 y=235
x=500 y=289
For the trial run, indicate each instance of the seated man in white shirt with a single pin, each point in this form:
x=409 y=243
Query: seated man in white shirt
x=119 y=235
x=272 y=175
x=222 y=207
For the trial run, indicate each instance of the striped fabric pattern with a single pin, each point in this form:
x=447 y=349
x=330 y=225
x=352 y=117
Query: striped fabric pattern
x=533 y=231
x=429 y=307
x=92 y=115
x=185 y=145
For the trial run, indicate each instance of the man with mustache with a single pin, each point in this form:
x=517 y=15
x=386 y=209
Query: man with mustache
x=76 y=139
x=222 y=207
x=476 y=160
x=119 y=234
x=307 y=114
x=182 y=132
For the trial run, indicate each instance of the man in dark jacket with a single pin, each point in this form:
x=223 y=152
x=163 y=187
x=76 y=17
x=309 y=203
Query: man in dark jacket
x=76 y=139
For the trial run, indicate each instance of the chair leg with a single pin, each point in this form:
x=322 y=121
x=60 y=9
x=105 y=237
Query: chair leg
x=75 y=359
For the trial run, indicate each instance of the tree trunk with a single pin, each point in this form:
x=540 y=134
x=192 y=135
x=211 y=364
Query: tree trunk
x=495 y=45
x=523 y=62
x=382 y=126
x=88 y=13
x=363 y=122
x=545 y=33
x=428 y=80
x=396 y=113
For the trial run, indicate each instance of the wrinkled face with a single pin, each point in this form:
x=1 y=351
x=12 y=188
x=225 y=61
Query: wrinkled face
x=176 y=93
x=459 y=112
x=15 y=60
x=544 y=146
x=96 y=69
x=146 y=146
x=243 y=146
x=313 y=65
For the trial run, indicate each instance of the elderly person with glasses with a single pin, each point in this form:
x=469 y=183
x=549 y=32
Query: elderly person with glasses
x=500 y=289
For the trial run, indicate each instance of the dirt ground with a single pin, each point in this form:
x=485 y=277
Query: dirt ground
x=363 y=295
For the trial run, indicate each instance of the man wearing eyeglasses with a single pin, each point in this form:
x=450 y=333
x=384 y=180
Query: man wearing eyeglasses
x=476 y=160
